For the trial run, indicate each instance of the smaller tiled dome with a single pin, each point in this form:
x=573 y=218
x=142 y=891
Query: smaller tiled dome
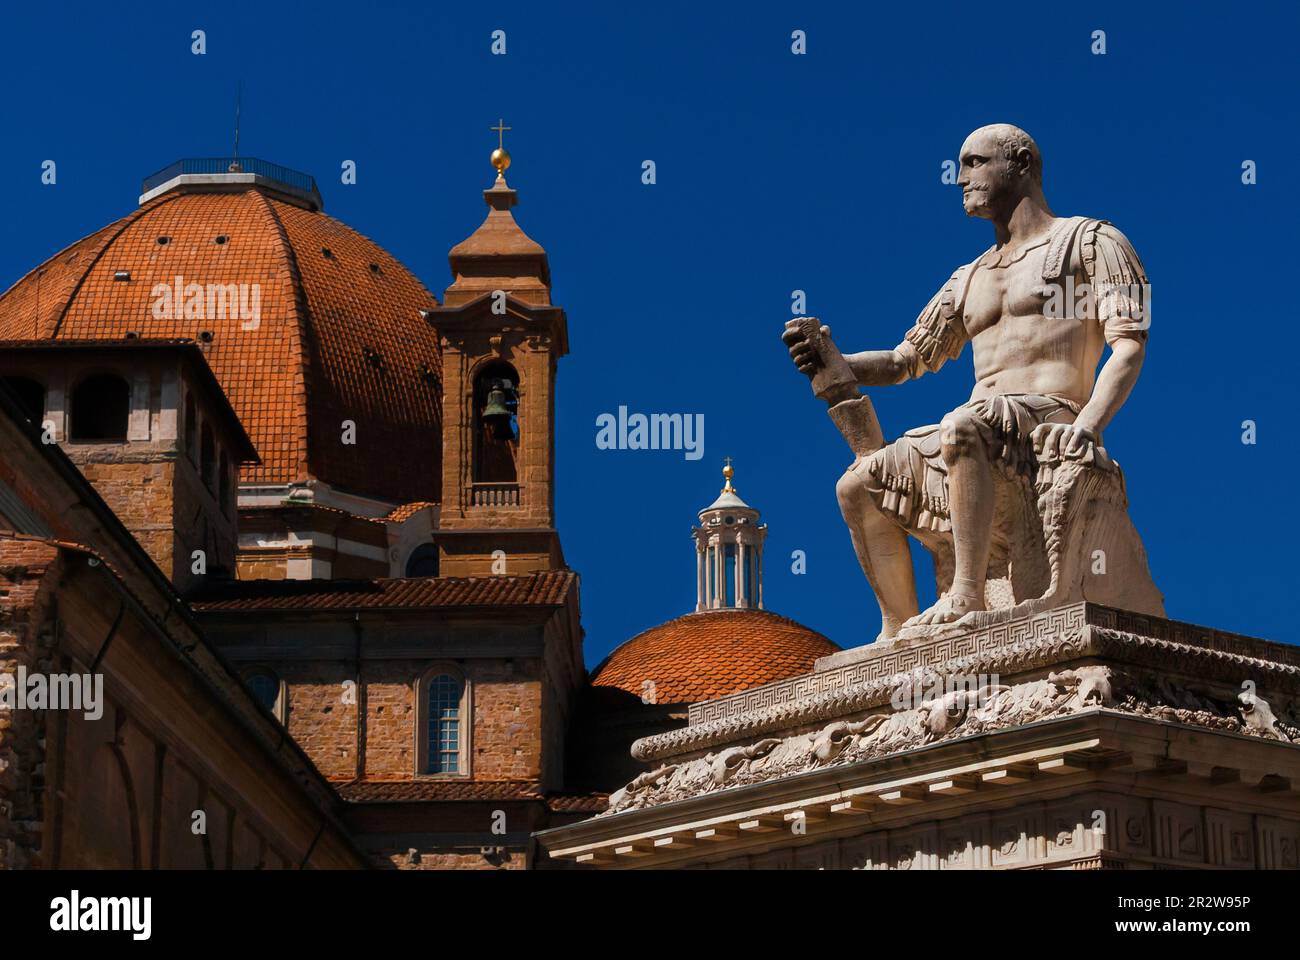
x=702 y=656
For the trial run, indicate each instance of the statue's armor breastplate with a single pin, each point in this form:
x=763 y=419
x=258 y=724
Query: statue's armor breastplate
x=940 y=331
x=1003 y=284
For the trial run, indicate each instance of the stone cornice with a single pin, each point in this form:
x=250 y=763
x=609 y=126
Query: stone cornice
x=940 y=782
x=1055 y=637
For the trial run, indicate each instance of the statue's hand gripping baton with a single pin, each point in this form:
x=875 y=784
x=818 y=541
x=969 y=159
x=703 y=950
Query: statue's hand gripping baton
x=833 y=380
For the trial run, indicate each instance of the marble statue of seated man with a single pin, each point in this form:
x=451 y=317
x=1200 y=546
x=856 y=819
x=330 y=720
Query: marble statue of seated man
x=1038 y=309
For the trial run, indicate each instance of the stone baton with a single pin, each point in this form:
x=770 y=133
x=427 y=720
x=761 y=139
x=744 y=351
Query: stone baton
x=833 y=380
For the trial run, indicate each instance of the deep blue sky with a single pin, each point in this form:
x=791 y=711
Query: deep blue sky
x=775 y=172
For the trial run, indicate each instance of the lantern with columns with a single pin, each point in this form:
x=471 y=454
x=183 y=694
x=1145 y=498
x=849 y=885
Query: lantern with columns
x=729 y=552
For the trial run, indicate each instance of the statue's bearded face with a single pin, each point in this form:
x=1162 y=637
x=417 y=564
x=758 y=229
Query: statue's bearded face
x=988 y=183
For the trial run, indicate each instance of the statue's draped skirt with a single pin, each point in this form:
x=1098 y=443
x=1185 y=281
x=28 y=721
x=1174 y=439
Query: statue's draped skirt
x=909 y=479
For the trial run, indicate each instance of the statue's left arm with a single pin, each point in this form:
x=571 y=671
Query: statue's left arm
x=1121 y=298
x=1115 y=382
x=1122 y=301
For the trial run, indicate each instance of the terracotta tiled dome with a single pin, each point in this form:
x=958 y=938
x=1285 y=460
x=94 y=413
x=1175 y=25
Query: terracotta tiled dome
x=706 y=655
x=340 y=336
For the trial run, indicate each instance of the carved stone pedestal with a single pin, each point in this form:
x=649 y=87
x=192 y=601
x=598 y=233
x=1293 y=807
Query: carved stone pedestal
x=1082 y=737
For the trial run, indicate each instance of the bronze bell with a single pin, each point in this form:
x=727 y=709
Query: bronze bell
x=499 y=411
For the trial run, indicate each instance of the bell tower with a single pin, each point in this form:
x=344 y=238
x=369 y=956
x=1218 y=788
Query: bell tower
x=501 y=337
x=729 y=552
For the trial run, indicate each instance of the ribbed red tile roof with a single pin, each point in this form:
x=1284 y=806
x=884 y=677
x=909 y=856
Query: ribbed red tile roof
x=407 y=510
x=304 y=370
x=702 y=656
x=578 y=802
x=387 y=791
x=550 y=588
x=450 y=791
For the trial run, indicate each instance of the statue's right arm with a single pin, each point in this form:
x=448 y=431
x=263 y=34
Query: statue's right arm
x=937 y=337
x=878 y=368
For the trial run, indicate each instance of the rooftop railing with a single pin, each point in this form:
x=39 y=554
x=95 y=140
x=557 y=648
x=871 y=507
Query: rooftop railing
x=210 y=165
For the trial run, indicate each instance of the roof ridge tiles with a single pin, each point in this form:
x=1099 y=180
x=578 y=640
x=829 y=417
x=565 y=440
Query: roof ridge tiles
x=541 y=589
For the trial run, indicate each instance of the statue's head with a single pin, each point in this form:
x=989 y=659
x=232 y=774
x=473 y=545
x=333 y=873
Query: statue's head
x=1000 y=164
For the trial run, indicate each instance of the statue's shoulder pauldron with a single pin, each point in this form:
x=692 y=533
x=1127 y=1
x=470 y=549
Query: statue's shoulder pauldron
x=1062 y=248
x=1113 y=270
x=939 y=332
x=1097 y=248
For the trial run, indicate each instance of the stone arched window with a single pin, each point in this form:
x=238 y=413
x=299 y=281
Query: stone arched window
x=443 y=722
x=30 y=396
x=267 y=689
x=496 y=424
x=101 y=405
x=423 y=561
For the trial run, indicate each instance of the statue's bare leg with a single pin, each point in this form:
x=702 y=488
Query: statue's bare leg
x=881 y=546
x=970 y=504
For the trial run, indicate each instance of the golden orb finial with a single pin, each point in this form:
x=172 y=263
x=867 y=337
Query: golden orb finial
x=728 y=472
x=500 y=156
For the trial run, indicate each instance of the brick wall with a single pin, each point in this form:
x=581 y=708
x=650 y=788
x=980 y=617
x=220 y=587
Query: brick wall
x=507 y=717
x=507 y=720
x=320 y=716
x=164 y=504
x=390 y=718
x=141 y=495
x=26 y=571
